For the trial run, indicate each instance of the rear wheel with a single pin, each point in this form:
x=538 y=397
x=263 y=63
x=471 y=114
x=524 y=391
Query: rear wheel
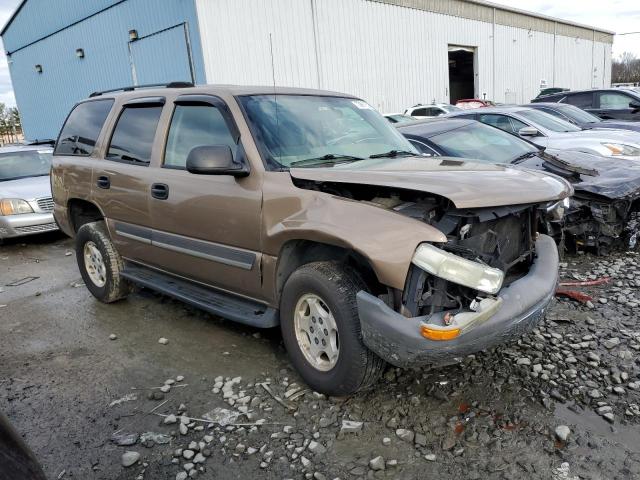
x=100 y=265
x=321 y=329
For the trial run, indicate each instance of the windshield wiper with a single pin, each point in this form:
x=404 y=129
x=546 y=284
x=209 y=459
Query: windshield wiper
x=328 y=159
x=393 y=154
x=524 y=156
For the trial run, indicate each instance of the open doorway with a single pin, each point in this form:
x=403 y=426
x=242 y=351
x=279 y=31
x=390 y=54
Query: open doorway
x=462 y=77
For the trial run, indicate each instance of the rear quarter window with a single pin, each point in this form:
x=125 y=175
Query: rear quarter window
x=82 y=128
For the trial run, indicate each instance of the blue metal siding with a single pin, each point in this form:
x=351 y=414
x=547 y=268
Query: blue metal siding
x=45 y=99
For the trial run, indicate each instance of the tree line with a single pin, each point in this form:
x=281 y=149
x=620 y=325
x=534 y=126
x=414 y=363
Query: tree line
x=625 y=69
x=10 y=125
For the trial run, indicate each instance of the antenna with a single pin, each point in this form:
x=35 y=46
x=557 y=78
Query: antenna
x=275 y=96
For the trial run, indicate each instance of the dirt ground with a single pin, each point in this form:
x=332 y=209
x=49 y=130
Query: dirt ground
x=77 y=396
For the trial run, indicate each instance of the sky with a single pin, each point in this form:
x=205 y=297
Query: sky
x=619 y=16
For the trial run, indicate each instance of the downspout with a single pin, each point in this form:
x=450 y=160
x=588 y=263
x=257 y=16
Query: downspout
x=493 y=56
x=314 y=20
x=593 y=53
x=555 y=32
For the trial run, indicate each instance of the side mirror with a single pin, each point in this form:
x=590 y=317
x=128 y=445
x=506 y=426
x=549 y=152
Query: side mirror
x=635 y=105
x=528 y=132
x=214 y=160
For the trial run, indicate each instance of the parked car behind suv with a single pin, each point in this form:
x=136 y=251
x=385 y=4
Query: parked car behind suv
x=552 y=132
x=308 y=210
x=581 y=118
x=25 y=193
x=428 y=111
x=608 y=104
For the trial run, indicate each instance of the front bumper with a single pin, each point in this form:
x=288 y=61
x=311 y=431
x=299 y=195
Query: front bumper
x=26 y=224
x=397 y=339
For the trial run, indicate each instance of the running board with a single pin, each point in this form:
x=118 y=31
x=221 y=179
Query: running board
x=223 y=305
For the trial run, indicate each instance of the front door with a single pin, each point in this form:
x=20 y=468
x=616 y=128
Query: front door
x=208 y=226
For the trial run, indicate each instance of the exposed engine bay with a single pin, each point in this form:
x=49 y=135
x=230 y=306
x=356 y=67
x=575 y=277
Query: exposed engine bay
x=501 y=237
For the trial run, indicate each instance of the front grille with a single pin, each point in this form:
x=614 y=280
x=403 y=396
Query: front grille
x=502 y=242
x=45 y=227
x=45 y=204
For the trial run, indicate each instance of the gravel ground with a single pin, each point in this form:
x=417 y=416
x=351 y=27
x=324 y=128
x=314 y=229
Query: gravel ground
x=92 y=389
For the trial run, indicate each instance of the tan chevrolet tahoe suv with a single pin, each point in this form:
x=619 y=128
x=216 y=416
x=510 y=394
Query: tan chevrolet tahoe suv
x=304 y=209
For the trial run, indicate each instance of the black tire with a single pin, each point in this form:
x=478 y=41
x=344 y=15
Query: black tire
x=357 y=367
x=115 y=287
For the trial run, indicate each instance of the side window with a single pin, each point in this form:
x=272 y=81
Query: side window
x=499 y=121
x=195 y=126
x=614 y=101
x=580 y=100
x=82 y=129
x=517 y=124
x=419 y=112
x=555 y=113
x=133 y=135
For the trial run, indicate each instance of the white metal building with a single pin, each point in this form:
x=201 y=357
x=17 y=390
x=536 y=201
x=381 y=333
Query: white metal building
x=396 y=53
x=392 y=53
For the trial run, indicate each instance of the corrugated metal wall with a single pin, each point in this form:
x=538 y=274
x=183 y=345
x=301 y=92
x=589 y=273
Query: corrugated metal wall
x=392 y=56
x=45 y=99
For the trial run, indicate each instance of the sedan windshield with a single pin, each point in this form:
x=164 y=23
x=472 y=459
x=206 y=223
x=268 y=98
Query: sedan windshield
x=317 y=130
x=479 y=141
x=24 y=163
x=547 y=121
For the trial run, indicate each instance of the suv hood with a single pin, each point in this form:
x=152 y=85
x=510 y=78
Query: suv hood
x=466 y=184
x=26 y=188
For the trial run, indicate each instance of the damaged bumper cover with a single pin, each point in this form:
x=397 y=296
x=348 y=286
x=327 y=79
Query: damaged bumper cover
x=398 y=339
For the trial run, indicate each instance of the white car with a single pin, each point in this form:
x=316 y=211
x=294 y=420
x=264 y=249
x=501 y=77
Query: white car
x=25 y=192
x=433 y=110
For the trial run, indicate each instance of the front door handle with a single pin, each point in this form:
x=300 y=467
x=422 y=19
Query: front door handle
x=103 y=182
x=160 y=191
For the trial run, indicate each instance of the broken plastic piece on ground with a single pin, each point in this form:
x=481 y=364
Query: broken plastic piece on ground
x=586 y=283
x=221 y=416
x=129 y=397
x=159 y=438
x=124 y=439
x=574 y=295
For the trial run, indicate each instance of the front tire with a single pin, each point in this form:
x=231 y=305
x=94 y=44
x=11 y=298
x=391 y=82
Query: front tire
x=321 y=329
x=100 y=264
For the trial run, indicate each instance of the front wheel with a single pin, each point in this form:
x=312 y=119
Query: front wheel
x=321 y=329
x=99 y=263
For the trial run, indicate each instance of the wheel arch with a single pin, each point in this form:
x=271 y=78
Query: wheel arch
x=81 y=211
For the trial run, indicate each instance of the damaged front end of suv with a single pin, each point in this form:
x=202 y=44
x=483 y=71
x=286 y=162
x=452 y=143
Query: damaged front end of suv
x=490 y=281
x=604 y=212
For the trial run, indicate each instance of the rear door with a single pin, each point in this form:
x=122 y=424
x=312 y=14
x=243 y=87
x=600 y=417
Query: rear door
x=616 y=105
x=122 y=178
x=208 y=226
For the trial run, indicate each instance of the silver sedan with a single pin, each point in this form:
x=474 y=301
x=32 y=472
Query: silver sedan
x=551 y=132
x=25 y=192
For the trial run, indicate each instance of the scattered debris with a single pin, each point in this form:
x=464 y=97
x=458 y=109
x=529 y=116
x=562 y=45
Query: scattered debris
x=163 y=341
x=113 y=336
x=130 y=458
x=22 y=281
x=124 y=439
x=129 y=397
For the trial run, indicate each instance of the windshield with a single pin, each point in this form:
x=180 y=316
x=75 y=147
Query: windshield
x=299 y=128
x=479 y=141
x=23 y=164
x=547 y=121
x=579 y=115
x=450 y=108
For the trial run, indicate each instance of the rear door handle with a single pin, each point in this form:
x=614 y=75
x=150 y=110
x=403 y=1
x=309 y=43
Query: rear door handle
x=103 y=182
x=160 y=191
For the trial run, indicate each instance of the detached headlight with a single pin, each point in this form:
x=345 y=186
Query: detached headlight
x=619 y=149
x=14 y=206
x=457 y=269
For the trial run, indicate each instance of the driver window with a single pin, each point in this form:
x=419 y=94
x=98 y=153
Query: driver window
x=195 y=126
x=614 y=101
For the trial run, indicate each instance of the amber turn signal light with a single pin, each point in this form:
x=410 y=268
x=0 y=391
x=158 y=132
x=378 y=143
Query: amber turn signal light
x=439 y=335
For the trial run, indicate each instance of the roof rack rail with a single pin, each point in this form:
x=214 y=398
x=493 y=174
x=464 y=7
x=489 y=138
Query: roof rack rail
x=150 y=85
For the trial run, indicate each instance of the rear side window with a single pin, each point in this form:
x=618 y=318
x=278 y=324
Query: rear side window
x=419 y=112
x=580 y=100
x=195 y=126
x=81 y=130
x=614 y=101
x=132 y=139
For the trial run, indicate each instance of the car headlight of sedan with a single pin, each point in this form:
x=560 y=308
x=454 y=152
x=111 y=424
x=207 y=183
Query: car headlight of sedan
x=621 y=150
x=457 y=269
x=14 y=206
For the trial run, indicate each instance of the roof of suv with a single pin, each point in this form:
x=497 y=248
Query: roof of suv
x=234 y=90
